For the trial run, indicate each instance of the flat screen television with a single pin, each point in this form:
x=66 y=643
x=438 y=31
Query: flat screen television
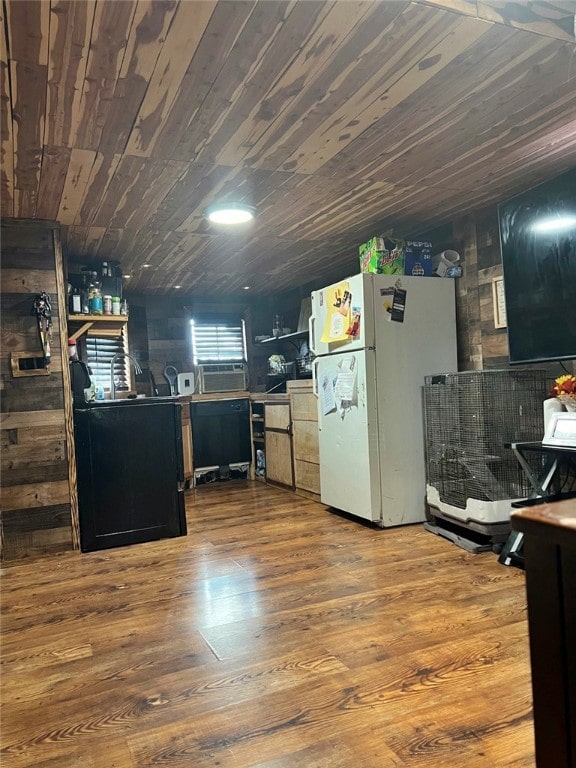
x=538 y=241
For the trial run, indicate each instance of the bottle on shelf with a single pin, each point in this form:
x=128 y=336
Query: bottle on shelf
x=84 y=297
x=277 y=326
x=95 y=295
x=74 y=302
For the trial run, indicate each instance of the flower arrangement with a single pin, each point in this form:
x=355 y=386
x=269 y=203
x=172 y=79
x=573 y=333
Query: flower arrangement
x=564 y=385
x=565 y=390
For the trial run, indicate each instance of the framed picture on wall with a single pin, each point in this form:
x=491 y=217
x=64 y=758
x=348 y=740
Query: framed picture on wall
x=498 y=302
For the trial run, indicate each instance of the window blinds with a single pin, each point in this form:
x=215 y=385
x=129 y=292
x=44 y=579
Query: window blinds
x=99 y=353
x=218 y=342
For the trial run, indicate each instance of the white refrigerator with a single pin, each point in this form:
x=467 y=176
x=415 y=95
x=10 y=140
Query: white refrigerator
x=375 y=337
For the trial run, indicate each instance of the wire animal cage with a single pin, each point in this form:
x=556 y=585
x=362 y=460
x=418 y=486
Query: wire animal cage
x=471 y=476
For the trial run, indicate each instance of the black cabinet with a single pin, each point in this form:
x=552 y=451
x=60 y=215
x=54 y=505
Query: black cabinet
x=220 y=433
x=130 y=472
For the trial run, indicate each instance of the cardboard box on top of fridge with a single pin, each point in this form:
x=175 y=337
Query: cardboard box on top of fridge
x=418 y=257
x=382 y=256
x=370 y=253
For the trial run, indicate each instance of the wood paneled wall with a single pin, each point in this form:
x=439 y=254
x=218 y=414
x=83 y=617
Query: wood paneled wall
x=481 y=345
x=159 y=332
x=169 y=341
x=38 y=495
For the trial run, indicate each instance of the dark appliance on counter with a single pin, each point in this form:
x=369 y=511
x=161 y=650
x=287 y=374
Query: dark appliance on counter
x=130 y=472
x=221 y=434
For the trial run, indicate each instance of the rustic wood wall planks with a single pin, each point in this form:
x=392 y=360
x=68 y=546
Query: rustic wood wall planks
x=37 y=493
x=481 y=345
x=337 y=120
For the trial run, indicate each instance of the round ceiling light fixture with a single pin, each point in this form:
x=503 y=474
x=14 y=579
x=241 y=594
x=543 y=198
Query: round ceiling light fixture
x=230 y=213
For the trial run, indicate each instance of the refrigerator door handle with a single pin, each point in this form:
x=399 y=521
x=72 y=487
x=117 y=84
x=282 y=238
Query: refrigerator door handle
x=315 y=378
x=311 y=334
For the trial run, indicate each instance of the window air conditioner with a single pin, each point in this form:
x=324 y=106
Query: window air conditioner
x=222 y=377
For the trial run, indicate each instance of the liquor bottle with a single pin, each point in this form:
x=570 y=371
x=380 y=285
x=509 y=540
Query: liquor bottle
x=84 y=298
x=74 y=305
x=95 y=295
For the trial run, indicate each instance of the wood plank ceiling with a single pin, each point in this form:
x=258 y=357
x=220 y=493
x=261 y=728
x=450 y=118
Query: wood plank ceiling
x=124 y=119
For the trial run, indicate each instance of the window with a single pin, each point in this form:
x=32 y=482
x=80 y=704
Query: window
x=99 y=353
x=218 y=340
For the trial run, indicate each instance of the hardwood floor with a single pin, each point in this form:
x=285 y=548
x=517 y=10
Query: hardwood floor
x=275 y=635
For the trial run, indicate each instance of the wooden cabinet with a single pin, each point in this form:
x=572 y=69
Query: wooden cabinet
x=278 y=443
x=187 y=443
x=129 y=472
x=304 y=415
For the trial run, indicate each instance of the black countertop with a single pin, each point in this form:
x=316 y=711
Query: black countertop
x=126 y=401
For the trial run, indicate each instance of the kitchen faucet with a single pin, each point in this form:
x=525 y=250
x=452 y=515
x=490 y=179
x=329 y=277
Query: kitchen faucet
x=118 y=355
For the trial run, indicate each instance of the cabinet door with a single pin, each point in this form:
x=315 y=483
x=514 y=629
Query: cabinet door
x=277 y=416
x=307 y=476
x=279 y=458
x=278 y=445
x=304 y=406
x=306 y=441
x=129 y=467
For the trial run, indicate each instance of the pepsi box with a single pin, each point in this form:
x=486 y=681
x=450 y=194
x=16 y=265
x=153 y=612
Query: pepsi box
x=418 y=258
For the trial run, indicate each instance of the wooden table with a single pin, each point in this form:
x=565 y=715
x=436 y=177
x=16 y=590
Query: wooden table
x=550 y=560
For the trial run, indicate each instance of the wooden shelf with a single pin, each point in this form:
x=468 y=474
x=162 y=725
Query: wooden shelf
x=98 y=318
x=285 y=337
x=108 y=325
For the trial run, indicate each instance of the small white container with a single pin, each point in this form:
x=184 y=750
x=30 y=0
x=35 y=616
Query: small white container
x=186 y=383
x=442 y=262
x=551 y=406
